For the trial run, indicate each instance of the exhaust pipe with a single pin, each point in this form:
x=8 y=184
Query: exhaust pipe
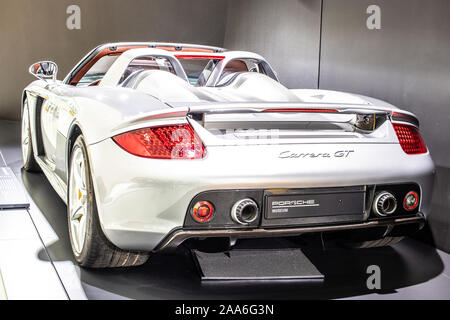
x=245 y=211
x=385 y=204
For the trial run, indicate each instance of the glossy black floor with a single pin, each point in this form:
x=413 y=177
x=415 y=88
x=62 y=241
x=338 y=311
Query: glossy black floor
x=409 y=270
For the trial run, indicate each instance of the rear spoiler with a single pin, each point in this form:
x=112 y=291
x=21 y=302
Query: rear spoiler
x=366 y=119
x=400 y=117
x=395 y=116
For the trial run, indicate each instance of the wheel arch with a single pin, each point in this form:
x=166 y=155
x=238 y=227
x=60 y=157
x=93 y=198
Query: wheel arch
x=35 y=102
x=24 y=97
x=74 y=132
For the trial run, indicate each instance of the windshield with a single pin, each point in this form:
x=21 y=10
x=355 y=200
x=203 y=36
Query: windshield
x=198 y=70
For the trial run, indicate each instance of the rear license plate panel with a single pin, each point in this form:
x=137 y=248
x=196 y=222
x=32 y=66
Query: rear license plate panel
x=310 y=205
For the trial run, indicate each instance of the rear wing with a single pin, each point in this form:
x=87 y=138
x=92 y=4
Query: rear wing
x=287 y=124
x=224 y=115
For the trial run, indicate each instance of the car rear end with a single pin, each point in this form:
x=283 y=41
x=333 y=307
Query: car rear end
x=238 y=171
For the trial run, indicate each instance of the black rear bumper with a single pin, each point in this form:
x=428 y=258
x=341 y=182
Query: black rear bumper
x=390 y=227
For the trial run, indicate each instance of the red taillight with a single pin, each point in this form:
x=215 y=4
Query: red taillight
x=410 y=139
x=166 y=142
x=203 y=211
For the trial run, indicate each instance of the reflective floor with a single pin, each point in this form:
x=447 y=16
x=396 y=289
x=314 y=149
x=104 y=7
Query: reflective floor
x=36 y=261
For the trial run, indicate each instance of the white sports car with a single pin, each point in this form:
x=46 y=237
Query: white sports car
x=154 y=144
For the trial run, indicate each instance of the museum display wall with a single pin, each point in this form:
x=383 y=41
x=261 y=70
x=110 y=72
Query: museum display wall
x=32 y=30
x=405 y=62
x=311 y=43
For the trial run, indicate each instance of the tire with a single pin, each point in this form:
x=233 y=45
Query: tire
x=29 y=161
x=90 y=246
x=384 y=242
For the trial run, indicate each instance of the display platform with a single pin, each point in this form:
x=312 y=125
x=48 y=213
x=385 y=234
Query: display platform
x=256 y=264
x=12 y=195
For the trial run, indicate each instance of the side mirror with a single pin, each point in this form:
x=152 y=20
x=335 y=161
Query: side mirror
x=44 y=70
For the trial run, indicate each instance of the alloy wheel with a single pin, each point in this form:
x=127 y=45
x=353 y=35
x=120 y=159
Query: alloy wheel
x=78 y=202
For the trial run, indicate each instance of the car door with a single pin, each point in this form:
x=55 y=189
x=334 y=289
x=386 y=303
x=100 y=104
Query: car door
x=56 y=115
x=48 y=119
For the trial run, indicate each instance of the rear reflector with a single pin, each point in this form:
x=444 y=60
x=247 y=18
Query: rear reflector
x=410 y=139
x=411 y=201
x=166 y=142
x=203 y=211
